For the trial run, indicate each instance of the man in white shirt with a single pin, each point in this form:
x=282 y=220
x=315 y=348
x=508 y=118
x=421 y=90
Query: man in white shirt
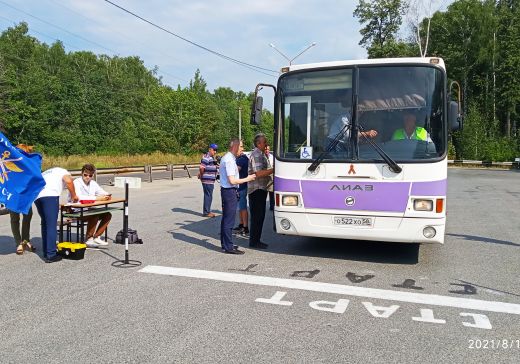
x=88 y=189
x=229 y=181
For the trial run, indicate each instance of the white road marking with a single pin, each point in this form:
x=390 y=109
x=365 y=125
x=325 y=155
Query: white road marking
x=400 y=296
x=481 y=321
x=427 y=316
x=338 y=307
x=386 y=312
x=276 y=299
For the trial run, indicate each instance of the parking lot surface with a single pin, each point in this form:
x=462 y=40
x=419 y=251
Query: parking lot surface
x=302 y=300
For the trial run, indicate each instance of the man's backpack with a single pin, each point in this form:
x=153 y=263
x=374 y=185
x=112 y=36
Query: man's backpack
x=133 y=238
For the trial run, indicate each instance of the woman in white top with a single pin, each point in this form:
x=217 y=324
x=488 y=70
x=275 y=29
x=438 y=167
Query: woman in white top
x=48 y=205
x=88 y=189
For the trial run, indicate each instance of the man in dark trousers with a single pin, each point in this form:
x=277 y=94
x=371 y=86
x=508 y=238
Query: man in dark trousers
x=243 y=227
x=257 y=191
x=229 y=181
x=207 y=175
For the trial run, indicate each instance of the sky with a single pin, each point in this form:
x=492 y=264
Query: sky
x=241 y=30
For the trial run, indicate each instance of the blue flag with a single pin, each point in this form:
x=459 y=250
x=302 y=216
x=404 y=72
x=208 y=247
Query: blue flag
x=20 y=177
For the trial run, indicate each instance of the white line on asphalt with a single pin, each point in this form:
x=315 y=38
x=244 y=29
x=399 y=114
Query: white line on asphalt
x=422 y=298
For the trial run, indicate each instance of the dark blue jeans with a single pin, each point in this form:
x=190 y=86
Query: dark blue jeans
x=208 y=197
x=229 y=208
x=48 y=208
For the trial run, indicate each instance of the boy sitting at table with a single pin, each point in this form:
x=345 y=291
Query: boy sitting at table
x=88 y=189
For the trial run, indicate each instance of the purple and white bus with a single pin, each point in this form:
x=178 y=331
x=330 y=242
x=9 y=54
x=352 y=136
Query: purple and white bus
x=346 y=165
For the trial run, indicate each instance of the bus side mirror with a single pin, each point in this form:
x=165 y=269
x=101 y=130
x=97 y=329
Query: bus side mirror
x=454 y=118
x=256 y=111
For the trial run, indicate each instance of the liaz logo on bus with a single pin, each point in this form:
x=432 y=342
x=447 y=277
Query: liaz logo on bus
x=367 y=188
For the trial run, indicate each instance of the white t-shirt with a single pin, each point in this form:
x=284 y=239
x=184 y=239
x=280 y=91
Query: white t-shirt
x=228 y=167
x=87 y=192
x=53 y=182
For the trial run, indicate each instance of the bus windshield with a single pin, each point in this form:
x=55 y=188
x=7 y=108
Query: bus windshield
x=398 y=107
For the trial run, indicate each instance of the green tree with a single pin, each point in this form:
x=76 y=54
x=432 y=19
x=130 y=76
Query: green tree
x=508 y=62
x=80 y=102
x=382 y=20
x=394 y=49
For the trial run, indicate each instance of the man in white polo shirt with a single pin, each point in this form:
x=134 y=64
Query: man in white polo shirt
x=229 y=181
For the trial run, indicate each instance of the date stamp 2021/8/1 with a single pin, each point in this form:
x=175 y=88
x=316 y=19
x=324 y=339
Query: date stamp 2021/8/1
x=494 y=344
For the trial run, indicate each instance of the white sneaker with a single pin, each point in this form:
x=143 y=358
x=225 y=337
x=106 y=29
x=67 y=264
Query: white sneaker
x=91 y=243
x=100 y=241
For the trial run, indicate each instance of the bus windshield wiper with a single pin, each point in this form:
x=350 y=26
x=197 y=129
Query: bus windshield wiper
x=391 y=163
x=330 y=146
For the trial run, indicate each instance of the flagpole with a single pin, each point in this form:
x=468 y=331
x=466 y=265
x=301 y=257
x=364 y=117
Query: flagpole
x=126 y=263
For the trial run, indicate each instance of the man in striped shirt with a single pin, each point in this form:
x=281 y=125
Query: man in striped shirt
x=207 y=175
x=257 y=190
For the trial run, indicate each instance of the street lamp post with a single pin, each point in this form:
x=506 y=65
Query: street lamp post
x=240 y=123
x=299 y=54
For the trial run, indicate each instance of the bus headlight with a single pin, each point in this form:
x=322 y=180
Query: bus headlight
x=285 y=224
x=423 y=205
x=429 y=232
x=290 y=200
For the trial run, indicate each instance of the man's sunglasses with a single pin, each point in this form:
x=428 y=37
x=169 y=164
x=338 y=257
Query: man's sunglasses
x=87 y=175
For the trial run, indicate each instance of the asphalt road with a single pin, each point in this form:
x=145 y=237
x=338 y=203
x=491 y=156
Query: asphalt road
x=304 y=300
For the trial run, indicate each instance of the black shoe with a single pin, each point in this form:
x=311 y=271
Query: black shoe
x=54 y=259
x=236 y=251
x=238 y=229
x=259 y=245
x=245 y=232
x=235 y=247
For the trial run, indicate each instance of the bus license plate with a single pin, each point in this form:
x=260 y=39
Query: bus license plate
x=353 y=221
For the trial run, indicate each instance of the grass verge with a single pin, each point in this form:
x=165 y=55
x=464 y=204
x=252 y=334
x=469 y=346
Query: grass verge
x=73 y=162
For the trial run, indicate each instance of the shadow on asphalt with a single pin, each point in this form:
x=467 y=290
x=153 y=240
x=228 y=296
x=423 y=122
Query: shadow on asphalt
x=205 y=243
x=7 y=245
x=116 y=259
x=186 y=211
x=191 y=212
x=465 y=285
x=354 y=250
x=483 y=239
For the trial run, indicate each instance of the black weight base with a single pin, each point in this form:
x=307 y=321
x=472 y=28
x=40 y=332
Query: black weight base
x=126 y=263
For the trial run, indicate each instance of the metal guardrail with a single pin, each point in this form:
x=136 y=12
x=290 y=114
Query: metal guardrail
x=147 y=169
x=485 y=164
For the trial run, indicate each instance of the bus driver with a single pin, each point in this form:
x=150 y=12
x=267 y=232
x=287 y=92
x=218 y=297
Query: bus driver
x=410 y=130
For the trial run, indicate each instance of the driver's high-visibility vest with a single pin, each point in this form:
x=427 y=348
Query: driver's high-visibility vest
x=418 y=134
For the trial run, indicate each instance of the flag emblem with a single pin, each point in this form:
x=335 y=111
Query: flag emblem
x=8 y=165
